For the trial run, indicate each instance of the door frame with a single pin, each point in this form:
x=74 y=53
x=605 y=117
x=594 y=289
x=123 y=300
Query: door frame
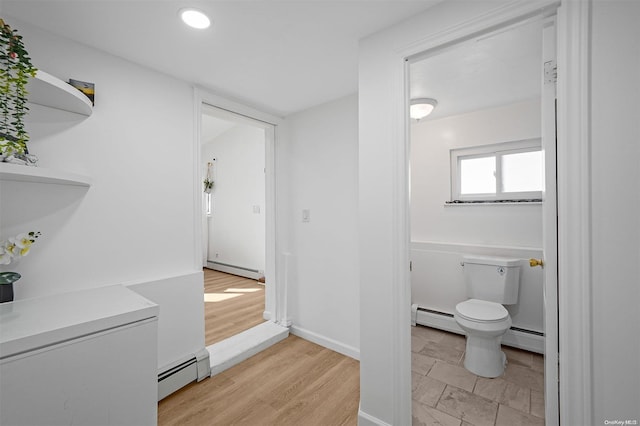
x=549 y=205
x=549 y=202
x=385 y=311
x=274 y=288
x=550 y=223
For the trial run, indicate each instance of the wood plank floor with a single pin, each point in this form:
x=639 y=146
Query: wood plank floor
x=232 y=304
x=294 y=382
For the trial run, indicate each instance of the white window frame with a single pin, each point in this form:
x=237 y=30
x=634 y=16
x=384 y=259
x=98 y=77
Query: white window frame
x=498 y=151
x=208 y=203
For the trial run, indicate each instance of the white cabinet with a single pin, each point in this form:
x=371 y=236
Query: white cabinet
x=87 y=357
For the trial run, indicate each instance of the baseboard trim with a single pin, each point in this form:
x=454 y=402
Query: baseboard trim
x=365 y=419
x=321 y=340
x=253 y=274
x=515 y=338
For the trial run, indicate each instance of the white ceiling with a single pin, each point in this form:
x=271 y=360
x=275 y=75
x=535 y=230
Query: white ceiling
x=492 y=70
x=286 y=56
x=280 y=56
x=212 y=127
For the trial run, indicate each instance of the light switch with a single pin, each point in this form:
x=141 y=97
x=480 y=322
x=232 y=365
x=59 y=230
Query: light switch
x=306 y=215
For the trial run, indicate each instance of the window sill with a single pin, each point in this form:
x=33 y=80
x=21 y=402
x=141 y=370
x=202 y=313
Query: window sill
x=492 y=203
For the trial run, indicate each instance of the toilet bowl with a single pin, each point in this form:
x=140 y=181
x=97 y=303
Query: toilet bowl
x=484 y=324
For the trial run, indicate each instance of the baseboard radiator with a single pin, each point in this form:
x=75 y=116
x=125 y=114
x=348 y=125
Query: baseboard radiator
x=172 y=378
x=241 y=271
x=520 y=338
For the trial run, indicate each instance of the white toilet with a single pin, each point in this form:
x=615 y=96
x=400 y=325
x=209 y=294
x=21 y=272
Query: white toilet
x=491 y=282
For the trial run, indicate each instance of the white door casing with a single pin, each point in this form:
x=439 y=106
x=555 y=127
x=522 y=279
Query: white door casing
x=274 y=292
x=550 y=222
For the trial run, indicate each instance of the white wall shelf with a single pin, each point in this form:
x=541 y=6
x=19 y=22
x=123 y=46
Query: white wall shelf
x=15 y=172
x=47 y=90
x=50 y=91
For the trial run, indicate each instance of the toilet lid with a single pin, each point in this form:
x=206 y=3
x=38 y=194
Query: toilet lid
x=481 y=310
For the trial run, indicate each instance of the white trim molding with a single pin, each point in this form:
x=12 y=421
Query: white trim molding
x=365 y=419
x=574 y=213
x=327 y=342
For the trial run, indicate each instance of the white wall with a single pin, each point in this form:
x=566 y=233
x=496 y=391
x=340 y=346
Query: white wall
x=134 y=225
x=236 y=231
x=442 y=234
x=321 y=162
x=432 y=220
x=615 y=210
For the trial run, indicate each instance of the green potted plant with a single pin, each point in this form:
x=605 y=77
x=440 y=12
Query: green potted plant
x=208 y=180
x=11 y=250
x=208 y=185
x=15 y=71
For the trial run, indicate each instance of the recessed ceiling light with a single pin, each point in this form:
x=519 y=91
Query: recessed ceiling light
x=195 y=18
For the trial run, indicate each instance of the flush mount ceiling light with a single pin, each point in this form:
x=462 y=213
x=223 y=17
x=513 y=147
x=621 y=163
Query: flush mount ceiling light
x=421 y=107
x=194 y=18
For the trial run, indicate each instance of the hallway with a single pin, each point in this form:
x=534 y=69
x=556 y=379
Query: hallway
x=294 y=382
x=232 y=304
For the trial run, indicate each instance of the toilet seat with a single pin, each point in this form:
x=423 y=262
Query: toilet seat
x=481 y=311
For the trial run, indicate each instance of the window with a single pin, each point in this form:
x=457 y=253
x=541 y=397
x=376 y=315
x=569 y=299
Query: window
x=511 y=171
x=207 y=204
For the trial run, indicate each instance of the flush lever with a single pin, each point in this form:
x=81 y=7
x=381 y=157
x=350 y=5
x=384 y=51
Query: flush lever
x=536 y=262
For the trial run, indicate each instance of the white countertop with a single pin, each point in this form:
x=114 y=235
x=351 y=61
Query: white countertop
x=30 y=324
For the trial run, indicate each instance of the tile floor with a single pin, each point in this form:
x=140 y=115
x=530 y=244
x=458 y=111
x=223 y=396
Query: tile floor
x=445 y=393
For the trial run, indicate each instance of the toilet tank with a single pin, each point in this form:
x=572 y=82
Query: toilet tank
x=495 y=279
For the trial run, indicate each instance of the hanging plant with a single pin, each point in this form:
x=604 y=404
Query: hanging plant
x=15 y=71
x=208 y=185
x=208 y=181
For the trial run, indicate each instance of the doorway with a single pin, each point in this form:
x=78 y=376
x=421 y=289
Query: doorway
x=233 y=163
x=230 y=351
x=234 y=224
x=492 y=103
